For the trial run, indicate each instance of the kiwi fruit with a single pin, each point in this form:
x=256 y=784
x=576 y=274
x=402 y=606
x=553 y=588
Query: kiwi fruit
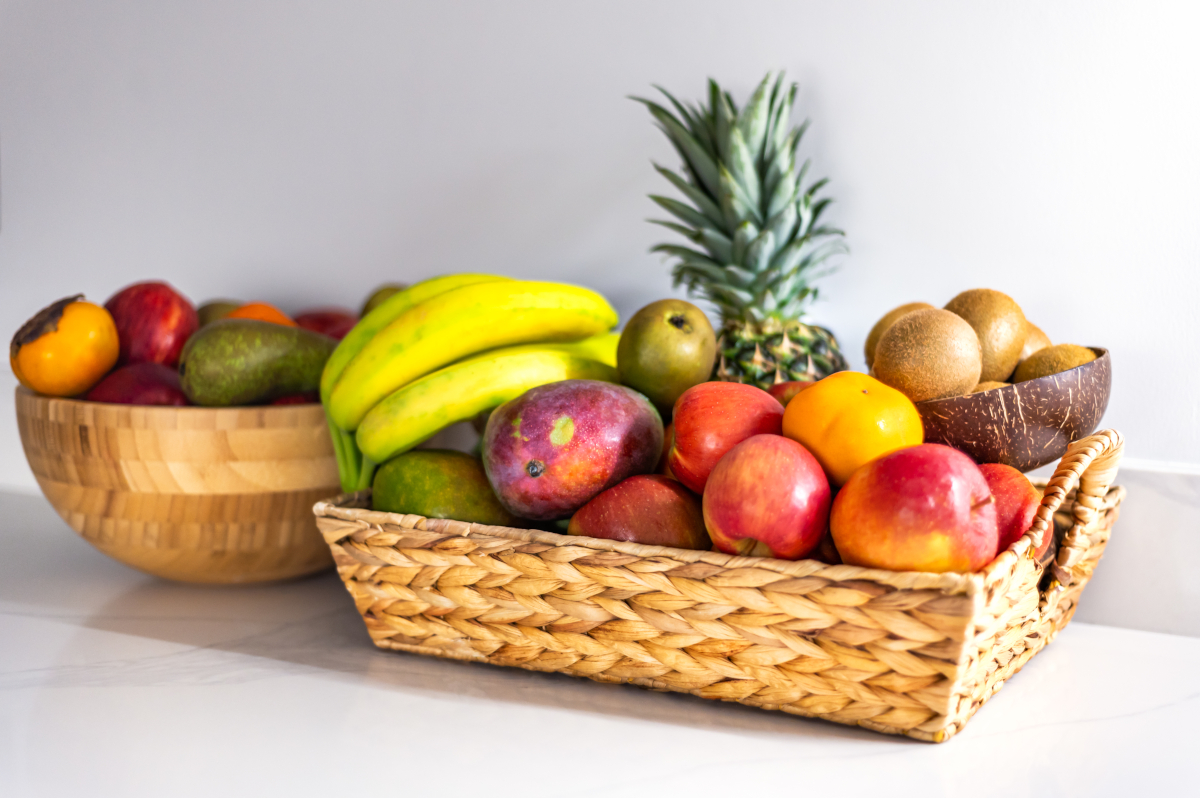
x=1035 y=340
x=929 y=354
x=989 y=386
x=1000 y=325
x=881 y=326
x=1052 y=360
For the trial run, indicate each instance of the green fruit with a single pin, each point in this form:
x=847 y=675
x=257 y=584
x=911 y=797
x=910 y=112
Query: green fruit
x=882 y=325
x=245 y=362
x=377 y=297
x=216 y=310
x=437 y=483
x=1052 y=360
x=666 y=348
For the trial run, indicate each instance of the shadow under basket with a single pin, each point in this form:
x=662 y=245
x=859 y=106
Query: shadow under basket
x=896 y=652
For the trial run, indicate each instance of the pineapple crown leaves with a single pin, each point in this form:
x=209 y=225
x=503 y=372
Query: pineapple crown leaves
x=757 y=227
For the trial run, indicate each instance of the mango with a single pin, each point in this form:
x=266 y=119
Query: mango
x=438 y=483
x=246 y=362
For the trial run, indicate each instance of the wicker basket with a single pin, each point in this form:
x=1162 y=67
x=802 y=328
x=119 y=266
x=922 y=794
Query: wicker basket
x=903 y=653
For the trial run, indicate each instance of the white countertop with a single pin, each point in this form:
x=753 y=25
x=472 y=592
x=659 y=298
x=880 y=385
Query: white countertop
x=116 y=683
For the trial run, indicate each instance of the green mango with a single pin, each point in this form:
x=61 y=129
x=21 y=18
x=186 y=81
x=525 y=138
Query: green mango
x=438 y=483
x=246 y=362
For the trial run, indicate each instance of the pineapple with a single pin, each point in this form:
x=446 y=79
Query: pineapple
x=756 y=228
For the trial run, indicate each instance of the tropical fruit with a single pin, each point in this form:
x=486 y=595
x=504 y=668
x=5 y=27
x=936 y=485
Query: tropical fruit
x=554 y=448
x=261 y=311
x=216 y=309
x=666 y=348
x=247 y=361
x=1052 y=360
x=757 y=230
x=381 y=295
x=66 y=348
x=848 y=419
x=1000 y=326
x=882 y=325
x=437 y=483
x=929 y=354
x=463 y=390
x=459 y=323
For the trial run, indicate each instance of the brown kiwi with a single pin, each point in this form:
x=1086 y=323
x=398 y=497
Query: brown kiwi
x=1035 y=340
x=929 y=354
x=989 y=386
x=1052 y=360
x=1000 y=325
x=881 y=326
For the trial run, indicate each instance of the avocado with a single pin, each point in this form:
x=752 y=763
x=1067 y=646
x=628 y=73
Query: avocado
x=216 y=310
x=246 y=362
x=379 y=296
x=438 y=483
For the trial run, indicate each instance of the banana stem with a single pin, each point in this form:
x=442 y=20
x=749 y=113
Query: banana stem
x=367 y=473
x=345 y=449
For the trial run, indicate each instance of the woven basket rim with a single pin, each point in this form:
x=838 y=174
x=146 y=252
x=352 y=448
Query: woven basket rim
x=952 y=583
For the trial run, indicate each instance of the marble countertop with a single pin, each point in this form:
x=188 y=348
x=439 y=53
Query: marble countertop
x=116 y=683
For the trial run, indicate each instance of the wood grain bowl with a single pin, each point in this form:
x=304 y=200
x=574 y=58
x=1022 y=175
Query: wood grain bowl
x=1025 y=425
x=194 y=494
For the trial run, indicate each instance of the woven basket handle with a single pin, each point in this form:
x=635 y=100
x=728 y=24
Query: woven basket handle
x=1092 y=463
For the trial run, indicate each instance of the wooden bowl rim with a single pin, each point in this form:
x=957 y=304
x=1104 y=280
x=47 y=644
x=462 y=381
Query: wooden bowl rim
x=169 y=409
x=1101 y=354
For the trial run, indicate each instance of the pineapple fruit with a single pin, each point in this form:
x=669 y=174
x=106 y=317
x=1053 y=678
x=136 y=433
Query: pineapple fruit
x=756 y=228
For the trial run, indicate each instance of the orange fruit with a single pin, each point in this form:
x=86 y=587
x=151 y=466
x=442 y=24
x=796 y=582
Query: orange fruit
x=66 y=348
x=848 y=419
x=262 y=312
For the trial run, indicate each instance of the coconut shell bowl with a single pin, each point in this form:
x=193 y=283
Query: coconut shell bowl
x=194 y=494
x=1025 y=425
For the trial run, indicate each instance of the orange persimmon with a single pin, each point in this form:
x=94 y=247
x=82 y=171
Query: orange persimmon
x=262 y=312
x=66 y=348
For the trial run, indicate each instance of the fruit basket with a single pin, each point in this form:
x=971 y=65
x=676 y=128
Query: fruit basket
x=212 y=495
x=896 y=652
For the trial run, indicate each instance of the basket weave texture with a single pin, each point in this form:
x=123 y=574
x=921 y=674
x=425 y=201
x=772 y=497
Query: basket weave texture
x=897 y=652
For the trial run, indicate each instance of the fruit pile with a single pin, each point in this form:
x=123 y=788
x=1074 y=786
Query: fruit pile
x=980 y=341
x=148 y=345
x=735 y=469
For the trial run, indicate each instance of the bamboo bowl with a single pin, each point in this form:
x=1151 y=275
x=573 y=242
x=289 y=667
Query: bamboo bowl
x=194 y=494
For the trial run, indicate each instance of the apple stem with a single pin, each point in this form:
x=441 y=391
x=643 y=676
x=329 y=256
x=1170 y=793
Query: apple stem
x=984 y=503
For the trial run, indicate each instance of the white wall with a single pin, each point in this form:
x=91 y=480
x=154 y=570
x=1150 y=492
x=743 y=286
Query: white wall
x=303 y=152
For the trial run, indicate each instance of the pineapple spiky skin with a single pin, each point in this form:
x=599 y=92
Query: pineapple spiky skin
x=757 y=229
x=775 y=352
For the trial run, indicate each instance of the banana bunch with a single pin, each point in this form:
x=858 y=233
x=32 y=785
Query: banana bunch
x=450 y=347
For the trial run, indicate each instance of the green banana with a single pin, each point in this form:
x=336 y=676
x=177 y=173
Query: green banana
x=460 y=391
x=385 y=314
x=460 y=323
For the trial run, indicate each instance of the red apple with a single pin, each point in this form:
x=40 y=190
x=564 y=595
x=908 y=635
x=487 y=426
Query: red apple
x=648 y=508
x=767 y=497
x=1017 y=502
x=334 y=322
x=555 y=447
x=924 y=508
x=140 y=384
x=784 y=391
x=668 y=442
x=153 y=322
x=713 y=417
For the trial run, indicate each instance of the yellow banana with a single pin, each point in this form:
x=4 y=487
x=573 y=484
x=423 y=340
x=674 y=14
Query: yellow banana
x=460 y=323
x=460 y=391
x=385 y=314
x=601 y=348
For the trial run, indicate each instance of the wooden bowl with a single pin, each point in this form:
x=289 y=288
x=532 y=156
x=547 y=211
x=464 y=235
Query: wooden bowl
x=1025 y=425
x=195 y=494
